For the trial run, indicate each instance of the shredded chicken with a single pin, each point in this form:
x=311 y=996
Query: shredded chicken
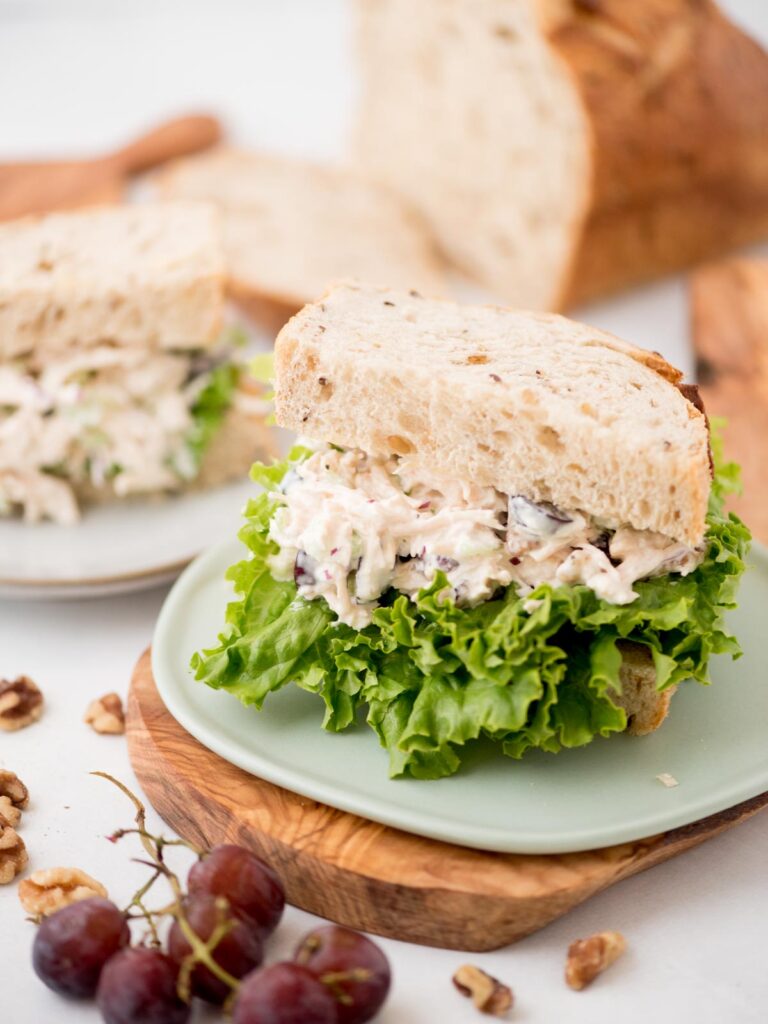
x=106 y=416
x=351 y=526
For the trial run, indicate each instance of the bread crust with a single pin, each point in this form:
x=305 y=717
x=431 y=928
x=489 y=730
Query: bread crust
x=269 y=311
x=677 y=100
x=646 y=707
x=661 y=118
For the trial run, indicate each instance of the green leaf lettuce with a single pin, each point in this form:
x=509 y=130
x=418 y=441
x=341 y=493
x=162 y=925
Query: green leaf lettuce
x=210 y=408
x=430 y=677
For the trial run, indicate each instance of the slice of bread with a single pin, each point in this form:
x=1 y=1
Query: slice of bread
x=561 y=149
x=242 y=439
x=291 y=227
x=532 y=404
x=149 y=276
x=645 y=706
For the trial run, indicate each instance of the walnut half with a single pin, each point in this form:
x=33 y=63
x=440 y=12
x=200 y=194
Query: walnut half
x=487 y=993
x=21 y=703
x=106 y=715
x=14 y=798
x=13 y=854
x=589 y=957
x=47 y=891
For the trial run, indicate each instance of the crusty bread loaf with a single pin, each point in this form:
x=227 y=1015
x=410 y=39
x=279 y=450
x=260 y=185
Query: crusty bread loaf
x=645 y=706
x=147 y=275
x=565 y=148
x=729 y=321
x=530 y=403
x=291 y=227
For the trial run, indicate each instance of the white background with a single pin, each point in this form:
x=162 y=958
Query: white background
x=82 y=76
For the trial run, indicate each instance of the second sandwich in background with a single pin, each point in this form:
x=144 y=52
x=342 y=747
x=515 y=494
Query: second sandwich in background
x=118 y=375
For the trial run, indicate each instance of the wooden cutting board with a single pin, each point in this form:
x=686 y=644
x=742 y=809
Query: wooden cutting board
x=34 y=188
x=369 y=876
x=729 y=319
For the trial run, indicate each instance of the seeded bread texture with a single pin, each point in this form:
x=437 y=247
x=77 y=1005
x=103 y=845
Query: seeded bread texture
x=562 y=149
x=292 y=227
x=145 y=276
x=530 y=403
x=645 y=706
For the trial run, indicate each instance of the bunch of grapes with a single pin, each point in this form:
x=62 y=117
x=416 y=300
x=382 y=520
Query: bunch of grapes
x=213 y=951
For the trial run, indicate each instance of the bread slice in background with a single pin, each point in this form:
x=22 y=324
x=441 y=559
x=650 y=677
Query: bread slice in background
x=530 y=403
x=291 y=227
x=562 y=149
x=729 y=314
x=146 y=276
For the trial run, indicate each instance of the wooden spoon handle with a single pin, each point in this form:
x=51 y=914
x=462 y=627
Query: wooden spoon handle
x=179 y=137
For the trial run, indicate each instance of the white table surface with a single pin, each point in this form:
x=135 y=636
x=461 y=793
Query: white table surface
x=81 y=76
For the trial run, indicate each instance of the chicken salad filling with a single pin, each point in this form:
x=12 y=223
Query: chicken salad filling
x=126 y=420
x=350 y=526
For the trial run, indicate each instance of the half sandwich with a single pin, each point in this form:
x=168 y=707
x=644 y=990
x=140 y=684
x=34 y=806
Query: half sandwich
x=117 y=376
x=504 y=525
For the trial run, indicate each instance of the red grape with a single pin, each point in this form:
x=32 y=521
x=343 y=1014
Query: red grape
x=72 y=945
x=238 y=952
x=253 y=889
x=138 y=986
x=284 y=994
x=333 y=951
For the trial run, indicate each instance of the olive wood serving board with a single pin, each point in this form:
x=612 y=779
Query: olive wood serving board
x=729 y=320
x=35 y=188
x=369 y=876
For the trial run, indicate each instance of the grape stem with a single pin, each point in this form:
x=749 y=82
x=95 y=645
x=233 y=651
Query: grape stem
x=334 y=981
x=154 y=846
x=138 y=901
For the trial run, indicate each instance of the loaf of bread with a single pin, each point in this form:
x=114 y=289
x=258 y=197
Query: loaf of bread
x=292 y=227
x=531 y=404
x=561 y=149
x=146 y=276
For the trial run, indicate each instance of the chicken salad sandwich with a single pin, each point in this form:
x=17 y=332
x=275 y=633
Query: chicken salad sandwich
x=501 y=525
x=117 y=375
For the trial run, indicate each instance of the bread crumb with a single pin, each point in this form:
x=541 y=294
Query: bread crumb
x=667 y=780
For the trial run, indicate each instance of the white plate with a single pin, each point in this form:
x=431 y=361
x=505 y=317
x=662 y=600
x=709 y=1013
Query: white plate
x=116 y=547
x=713 y=743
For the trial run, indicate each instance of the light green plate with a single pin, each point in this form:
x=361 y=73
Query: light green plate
x=715 y=743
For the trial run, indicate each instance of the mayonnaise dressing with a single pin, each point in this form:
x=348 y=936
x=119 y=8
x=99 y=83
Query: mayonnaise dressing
x=350 y=526
x=105 y=415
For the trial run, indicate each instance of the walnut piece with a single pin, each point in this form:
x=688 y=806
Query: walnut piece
x=106 y=715
x=487 y=993
x=21 y=703
x=14 y=798
x=589 y=957
x=13 y=854
x=47 y=891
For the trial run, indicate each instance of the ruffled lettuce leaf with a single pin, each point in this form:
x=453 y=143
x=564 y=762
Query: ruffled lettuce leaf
x=430 y=678
x=210 y=407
